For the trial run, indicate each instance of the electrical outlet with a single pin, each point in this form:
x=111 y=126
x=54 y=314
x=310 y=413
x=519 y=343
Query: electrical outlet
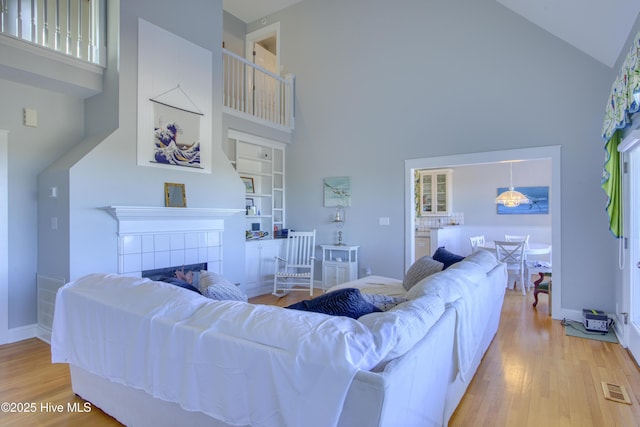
x=384 y=220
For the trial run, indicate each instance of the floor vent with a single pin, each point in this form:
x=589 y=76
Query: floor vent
x=615 y=392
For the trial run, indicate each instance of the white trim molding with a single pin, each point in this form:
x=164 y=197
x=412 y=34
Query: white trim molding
x=4 y=238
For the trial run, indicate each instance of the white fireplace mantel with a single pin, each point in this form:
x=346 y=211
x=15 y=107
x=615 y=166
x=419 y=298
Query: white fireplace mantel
x=148 y=219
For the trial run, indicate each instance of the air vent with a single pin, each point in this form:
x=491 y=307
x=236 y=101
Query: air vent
x=615 y=392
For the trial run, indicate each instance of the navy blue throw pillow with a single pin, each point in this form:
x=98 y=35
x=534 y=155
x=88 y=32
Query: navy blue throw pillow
x=343 y=302
x=446 y=257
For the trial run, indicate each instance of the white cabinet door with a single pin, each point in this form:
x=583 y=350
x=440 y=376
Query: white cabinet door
x=423 y=246
x=335 y=273
x=260 y=265
x=270 y=250
x=252 y=265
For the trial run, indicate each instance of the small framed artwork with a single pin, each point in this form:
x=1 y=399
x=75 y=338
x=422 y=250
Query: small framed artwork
x=248 y=202
x=337 y=191
x=174 y=195
x=248 y=184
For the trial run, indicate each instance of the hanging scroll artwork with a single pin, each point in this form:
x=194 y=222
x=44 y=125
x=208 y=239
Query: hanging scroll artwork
x=176 y=135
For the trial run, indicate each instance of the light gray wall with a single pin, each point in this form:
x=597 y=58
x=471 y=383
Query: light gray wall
x=474 y=192
x=60 y=126
x=234 y=31
x=381 y=82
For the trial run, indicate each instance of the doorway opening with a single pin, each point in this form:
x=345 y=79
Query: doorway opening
x=262 y=47
x=549 y=152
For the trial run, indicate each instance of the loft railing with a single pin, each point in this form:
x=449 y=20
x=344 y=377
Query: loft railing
x=73 y=27
x=254 y=92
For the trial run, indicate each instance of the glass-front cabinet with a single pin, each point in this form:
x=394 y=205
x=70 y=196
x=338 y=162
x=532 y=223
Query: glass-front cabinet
x=435 y=192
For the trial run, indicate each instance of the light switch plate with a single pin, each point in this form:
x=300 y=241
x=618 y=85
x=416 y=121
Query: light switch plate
x=30 y=117
x=384 y=220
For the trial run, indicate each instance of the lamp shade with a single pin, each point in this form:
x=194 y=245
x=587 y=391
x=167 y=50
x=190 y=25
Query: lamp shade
x=512 y=198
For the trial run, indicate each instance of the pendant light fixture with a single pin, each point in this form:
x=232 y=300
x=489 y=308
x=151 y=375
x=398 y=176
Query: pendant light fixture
x=511 y=198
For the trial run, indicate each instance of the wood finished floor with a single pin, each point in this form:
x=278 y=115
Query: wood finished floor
x=532 y=375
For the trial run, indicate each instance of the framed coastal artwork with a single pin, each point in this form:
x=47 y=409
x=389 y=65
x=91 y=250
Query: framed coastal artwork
x=176 y=139
x=337 y=191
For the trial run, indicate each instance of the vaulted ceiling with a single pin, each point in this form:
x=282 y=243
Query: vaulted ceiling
x=597 y=27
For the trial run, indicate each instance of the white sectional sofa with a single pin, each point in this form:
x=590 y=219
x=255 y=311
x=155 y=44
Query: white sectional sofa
x=149 y=353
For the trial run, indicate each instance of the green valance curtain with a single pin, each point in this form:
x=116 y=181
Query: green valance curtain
x=620 y=105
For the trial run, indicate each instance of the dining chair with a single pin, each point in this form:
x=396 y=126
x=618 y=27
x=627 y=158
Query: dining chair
x=296 y=268
x=540 y=269
x=517 y=238
x=512 y=254
x=476 y=241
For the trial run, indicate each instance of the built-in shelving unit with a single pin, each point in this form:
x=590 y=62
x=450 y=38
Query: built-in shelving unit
x=260 y=163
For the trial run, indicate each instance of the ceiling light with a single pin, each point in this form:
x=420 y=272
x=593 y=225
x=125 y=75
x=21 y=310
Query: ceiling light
x=512 y=198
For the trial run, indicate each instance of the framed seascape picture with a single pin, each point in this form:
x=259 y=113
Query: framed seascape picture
x=337 y=191
x=176 y=136
x=248 y=184
x=538 y=202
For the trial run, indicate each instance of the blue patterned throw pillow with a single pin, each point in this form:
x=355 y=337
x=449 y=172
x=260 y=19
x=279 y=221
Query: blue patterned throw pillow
x=342 y=302
x=383 y=302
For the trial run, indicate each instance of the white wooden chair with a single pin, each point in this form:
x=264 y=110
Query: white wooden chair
x=512 y=253
x=517 y=238
x=476 y=241
x=296 y=268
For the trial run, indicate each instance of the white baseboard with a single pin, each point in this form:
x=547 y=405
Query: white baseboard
x=22 y=333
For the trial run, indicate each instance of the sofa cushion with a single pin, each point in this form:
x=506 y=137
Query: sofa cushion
x=441 y=285
x=483 y=258
x=342 y=302
x=216 y=286
x=420 y=269
x=398 y=330
x=446 y=257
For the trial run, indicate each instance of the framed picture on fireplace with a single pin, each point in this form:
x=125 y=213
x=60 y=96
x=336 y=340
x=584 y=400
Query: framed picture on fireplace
x=174 y=195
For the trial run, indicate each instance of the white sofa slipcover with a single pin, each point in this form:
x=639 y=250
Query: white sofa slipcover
x=152 y=354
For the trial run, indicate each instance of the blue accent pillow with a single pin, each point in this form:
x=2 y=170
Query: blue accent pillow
x=342 y=302
x=179 y=283
x=446 y=257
